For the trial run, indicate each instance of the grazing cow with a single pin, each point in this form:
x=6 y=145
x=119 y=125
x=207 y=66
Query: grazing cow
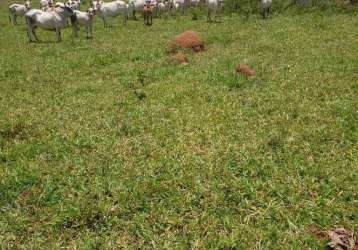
x=51 y=20
x=16 y=10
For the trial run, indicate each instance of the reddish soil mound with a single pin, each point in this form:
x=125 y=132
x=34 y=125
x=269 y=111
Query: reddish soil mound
x=245 y=70
x=187 y=40
x=341 y=238
x=179 y=58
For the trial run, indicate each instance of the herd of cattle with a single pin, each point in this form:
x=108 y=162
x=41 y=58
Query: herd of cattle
x=55 y=16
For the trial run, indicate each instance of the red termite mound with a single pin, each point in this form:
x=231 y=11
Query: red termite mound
x=245 y=70
x=187 y=40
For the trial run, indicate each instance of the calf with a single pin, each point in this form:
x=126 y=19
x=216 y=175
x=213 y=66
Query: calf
x=148 y=13
x=84 y=19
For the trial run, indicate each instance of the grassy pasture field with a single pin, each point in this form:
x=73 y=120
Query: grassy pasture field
x=106 y=145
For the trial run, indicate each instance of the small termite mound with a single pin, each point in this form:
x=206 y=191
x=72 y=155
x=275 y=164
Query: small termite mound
x=245 y=69
x=179 y=58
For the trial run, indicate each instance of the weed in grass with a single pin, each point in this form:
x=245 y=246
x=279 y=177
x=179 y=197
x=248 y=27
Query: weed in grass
x=139 y=94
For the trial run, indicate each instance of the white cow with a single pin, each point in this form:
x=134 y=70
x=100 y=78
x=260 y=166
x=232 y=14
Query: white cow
x=213 y=7
x=136 y=6
x=16 y=10
x=194 y=2
x=74 y=4
x=45 y=4
x=179 y=5
x=160 y=8
x=51 y=20
x=110 y=9
x=265 y=8
x=84 y=19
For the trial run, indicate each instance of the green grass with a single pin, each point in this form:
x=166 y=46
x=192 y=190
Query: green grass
x=196 y=157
